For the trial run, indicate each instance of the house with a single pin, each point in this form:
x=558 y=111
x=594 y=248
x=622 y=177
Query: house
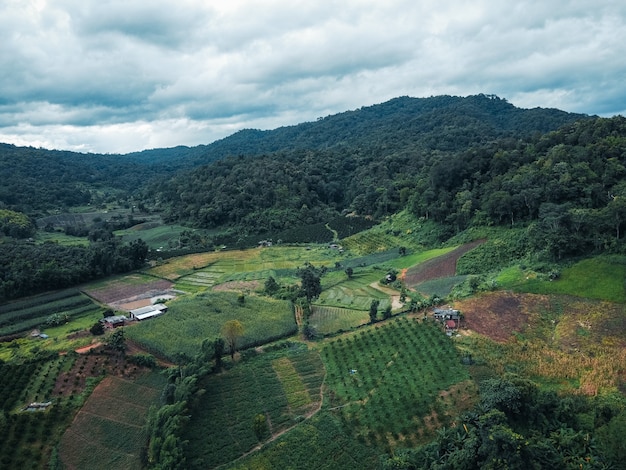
x=148 y=311
x=450 y=318
x=444 y=314
x=114 y=321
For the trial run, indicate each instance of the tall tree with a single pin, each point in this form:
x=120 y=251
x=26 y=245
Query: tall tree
x=374 y=310
x=232 y=331
x=311 y=286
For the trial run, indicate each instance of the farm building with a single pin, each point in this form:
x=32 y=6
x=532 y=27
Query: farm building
x=148 y=312
x=444 y=314
x=114 y=321
x=450 y=318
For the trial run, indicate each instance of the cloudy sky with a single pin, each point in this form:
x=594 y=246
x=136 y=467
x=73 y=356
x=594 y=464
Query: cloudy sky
x=123 y=75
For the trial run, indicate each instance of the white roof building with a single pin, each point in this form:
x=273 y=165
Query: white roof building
x=148 y=312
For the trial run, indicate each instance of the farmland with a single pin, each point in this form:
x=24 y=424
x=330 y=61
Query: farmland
x=387 y=386
x=394 y=384
x=194 y=318
x=108 y=430
x=282 y=387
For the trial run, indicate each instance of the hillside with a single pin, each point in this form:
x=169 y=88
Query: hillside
x=38 y=181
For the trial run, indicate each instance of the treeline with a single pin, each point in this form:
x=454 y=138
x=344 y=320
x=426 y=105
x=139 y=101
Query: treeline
x=519 y=426
x=26 y=268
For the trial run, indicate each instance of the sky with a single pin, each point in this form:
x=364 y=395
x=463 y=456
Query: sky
x=117 y=76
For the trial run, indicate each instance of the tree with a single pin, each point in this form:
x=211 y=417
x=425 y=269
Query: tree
x=260 y=427
x=97 y=329
x=232 y=331
x=349 y=272
x=387 y=312
x=271 y=286
x=374 y=310
x=311 y=286
x=117 y=341
x=218 y=351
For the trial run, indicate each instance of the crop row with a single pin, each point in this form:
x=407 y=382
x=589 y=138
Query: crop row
x=388 y=378
x=277 y=386
x=37 y=300
x=46 y=309
x=193 y=319
x=328 y=320
x=35 y=322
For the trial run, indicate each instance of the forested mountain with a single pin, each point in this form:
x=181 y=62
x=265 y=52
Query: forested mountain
x=39 y=180
x=366 y=161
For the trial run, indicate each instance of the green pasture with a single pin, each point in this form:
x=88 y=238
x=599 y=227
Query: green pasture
x=280 y=262
x=355 y=293
x=61 y=238
x=328 y=320
x=60 y=338
x=599 y=278
x=386 y=380
x=194 y=318
x=155 y=235
x=281 y=386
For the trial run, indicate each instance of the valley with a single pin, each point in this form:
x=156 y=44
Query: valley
x=299 y=274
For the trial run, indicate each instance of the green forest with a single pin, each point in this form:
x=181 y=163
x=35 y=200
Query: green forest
x=320 y=239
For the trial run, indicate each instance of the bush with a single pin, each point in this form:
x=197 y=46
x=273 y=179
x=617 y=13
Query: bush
x=143 y=360
x=97 y=329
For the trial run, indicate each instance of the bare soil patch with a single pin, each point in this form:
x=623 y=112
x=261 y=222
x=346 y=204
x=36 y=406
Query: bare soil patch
x=124 y=292
x=439 y=267
x=498 y=315
x=238 y=286
x=94 y=361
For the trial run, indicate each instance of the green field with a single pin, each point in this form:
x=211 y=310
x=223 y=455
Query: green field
x=28 y=437
x=320 y=443
x=391 y=383
x=33 y=312
x=194 y=318
x=328 y=320
x=108 y=430
x=599 y=278
x=283 y=387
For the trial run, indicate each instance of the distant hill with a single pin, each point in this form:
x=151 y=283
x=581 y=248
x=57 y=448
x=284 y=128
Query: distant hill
x=36 y=181
x=396 y=123
x=367 y=161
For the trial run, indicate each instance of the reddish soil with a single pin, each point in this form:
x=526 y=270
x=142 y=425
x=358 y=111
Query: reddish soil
x=93 y=364
x=127 y=291
x=439 y=267
x=498 y=315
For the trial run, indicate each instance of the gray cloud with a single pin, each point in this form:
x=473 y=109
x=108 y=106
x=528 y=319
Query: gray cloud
x=123 y=75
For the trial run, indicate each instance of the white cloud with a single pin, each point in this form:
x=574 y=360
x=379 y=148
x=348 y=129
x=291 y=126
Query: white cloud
x=123 y=75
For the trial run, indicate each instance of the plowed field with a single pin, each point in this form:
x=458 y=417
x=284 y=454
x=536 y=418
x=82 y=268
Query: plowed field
x=439 y=267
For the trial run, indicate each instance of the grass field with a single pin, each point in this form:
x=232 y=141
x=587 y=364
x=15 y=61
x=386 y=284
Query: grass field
x=231 y=262
x=33 y=312
x=599 y=278
x=284 y=387
x=108 y=430
x=328 y=320
x=194 y=318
